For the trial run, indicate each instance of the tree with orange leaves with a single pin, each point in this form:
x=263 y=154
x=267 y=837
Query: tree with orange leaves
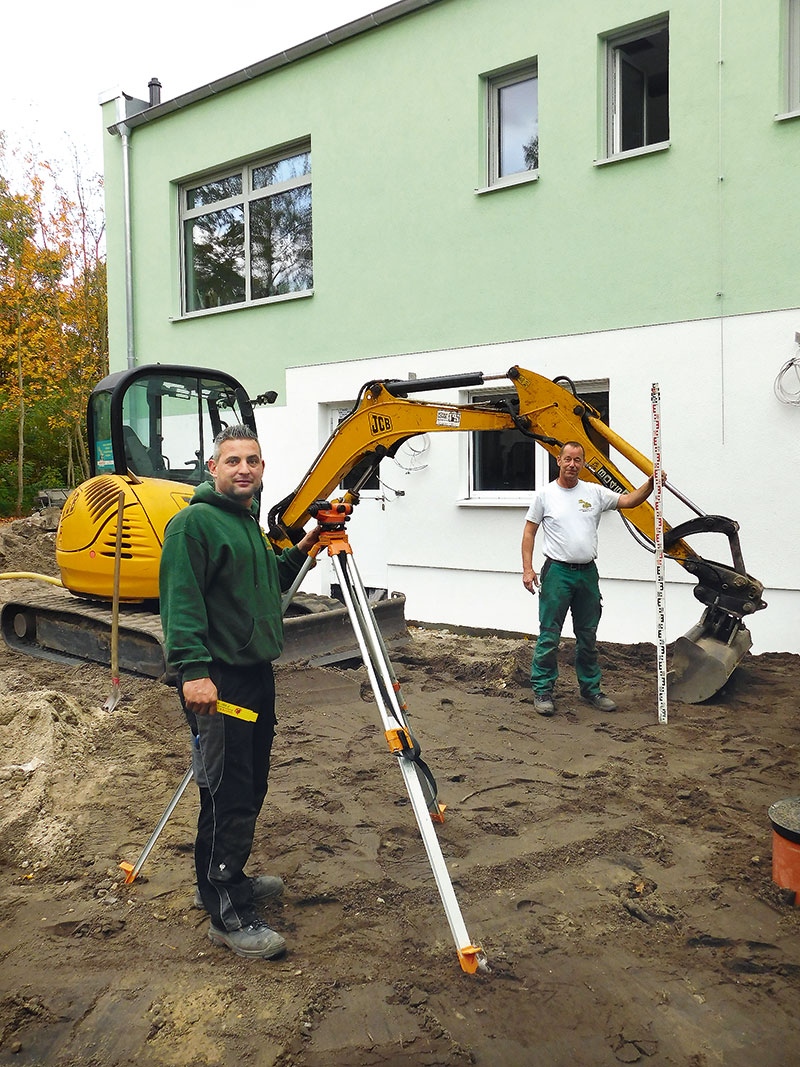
x=53 y=337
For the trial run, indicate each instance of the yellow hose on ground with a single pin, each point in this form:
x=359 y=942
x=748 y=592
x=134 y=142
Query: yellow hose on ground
x=30 y=574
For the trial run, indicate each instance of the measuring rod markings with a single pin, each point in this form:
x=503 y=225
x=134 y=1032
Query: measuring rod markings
x=661 y=646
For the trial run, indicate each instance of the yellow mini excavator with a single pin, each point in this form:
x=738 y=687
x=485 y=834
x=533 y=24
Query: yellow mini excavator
x=150 y=432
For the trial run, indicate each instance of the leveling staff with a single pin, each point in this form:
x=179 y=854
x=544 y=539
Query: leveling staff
x=221 y=586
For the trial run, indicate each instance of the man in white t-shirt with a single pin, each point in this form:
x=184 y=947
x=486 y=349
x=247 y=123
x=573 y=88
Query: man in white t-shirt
x=568 y=512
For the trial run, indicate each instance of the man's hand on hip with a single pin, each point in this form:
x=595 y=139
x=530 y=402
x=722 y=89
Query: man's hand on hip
x=200 y=696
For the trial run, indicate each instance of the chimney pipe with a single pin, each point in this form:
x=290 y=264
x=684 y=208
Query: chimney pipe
x=154 y=85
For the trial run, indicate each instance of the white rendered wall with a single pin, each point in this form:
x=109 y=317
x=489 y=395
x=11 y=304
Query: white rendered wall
x=736 y=454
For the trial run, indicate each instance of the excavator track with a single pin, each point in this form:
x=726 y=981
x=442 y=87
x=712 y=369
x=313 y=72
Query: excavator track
x=57 y=626
x=60 y=627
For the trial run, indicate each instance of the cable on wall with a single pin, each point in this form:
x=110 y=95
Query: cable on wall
x=787 y=382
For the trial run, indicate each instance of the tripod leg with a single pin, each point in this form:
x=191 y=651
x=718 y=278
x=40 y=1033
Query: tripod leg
x=132 y=870
x=380 y=675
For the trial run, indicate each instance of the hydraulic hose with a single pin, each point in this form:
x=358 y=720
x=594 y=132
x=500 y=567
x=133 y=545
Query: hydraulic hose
x=31 y=574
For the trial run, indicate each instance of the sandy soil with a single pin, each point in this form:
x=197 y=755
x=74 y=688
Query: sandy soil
x=616 y=872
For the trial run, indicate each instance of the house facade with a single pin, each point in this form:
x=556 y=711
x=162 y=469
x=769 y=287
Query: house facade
x=607 y=192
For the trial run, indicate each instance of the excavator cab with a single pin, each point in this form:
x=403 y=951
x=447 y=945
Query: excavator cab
x=160 y=421
x=150 y=432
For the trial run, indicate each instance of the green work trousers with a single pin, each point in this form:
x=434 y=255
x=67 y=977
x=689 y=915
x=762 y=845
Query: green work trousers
x=563 y=588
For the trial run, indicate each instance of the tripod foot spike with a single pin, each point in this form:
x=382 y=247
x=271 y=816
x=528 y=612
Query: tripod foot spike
x=472 y=959
x=129 y=872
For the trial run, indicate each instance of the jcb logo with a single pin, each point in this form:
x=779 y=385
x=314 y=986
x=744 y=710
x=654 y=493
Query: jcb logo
x=380 y=423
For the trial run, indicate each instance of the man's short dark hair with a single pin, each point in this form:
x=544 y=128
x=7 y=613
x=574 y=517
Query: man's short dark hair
x=237 y=432
x=572 y=444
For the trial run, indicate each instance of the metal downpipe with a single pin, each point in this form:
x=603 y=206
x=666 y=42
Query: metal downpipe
x=125 y=137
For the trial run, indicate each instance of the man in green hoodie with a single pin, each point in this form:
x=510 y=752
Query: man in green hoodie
x=220 y=586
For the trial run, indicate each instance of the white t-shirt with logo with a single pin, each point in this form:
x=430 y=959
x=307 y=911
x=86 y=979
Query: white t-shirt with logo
x=568 y=519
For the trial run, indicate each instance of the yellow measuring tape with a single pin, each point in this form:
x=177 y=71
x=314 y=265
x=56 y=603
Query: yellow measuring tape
x=236 y=712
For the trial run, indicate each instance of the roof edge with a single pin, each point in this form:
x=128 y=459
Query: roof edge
x=280 y=59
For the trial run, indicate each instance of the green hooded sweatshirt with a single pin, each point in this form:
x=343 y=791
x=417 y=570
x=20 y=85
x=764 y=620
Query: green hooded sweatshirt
x=220 y=585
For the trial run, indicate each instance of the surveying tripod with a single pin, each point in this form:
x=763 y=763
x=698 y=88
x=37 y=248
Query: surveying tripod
x=419 y=780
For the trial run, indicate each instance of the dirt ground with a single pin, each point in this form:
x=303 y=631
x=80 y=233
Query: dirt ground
x=616 y=872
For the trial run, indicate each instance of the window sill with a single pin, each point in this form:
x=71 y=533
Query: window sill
x=186 y=316
x=486 y=502
x=524 y=178
x=787 y=115
x=646 y=150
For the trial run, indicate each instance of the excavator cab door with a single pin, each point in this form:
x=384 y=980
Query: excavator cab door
x=160 y=421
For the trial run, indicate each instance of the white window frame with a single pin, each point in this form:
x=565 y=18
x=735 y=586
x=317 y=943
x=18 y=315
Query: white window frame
x=791 y=60
x=613 y=42
x=248 y=195
x=473 y=497
x=497 y=497
x=494 y=83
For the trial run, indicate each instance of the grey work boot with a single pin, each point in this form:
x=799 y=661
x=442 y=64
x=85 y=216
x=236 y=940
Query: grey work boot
x=255 y=941
x=543 y=702
x=599 y=701
x=265 y=887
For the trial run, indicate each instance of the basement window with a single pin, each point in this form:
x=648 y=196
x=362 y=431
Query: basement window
x=637 y=88
x=507 y=467
x=337 y=413
x=246 y=233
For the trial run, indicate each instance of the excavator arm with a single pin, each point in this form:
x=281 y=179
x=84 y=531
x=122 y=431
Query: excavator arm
x=550 y=412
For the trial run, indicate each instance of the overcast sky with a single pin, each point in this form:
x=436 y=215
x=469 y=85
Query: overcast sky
x=57 y=57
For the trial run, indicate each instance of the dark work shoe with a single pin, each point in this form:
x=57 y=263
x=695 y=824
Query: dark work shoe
x=543 y=702
x=265 y=887
x=599 y=701
x=255 y=941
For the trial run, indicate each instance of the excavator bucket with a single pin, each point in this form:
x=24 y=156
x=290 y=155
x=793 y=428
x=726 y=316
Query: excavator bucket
x=702 y=663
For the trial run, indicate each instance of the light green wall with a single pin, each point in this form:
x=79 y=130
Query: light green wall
x=407 y=257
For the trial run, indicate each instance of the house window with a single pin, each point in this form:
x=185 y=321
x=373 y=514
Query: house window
x=637 y=66
x=246 y=234
x=596 y=394
x=355 y=477
x=792 y=53
x=505 y=465
x=513 y=127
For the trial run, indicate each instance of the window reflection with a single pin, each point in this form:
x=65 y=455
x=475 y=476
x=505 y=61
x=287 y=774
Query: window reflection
x=257 y=244
x=280 y=243
x=214 y=249
x=281 y=171
x=213 y=191
x=518 y=107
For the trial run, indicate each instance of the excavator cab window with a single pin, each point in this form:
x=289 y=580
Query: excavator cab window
x=160 y=421
x=100 y=424
x=170 y=422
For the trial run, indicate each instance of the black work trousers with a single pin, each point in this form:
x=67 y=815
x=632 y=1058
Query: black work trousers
x=230 y=759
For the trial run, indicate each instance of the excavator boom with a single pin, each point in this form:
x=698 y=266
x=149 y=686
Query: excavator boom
x=551 y=413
